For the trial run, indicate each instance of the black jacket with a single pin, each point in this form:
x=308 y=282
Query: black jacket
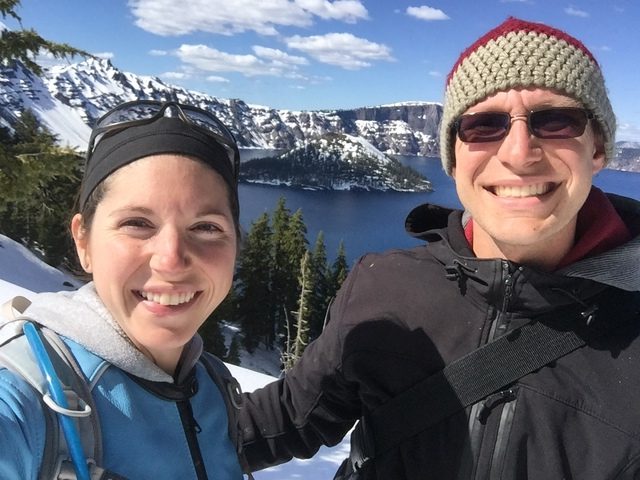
x=402 y=315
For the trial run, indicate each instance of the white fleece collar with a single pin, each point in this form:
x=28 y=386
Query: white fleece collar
x=82 y=317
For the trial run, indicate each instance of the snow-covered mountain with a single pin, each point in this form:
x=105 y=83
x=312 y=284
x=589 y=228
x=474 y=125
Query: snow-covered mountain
x=69 y=98
x=627 y=157
x=335 y=162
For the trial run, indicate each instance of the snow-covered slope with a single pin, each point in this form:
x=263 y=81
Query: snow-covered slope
x=335 y=162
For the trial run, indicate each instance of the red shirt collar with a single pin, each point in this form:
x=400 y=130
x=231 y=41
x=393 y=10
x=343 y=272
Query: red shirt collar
x=599 y=228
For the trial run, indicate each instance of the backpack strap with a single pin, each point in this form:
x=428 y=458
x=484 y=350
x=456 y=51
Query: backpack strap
x=17 y=356
x=233 y=399
x=484 y=371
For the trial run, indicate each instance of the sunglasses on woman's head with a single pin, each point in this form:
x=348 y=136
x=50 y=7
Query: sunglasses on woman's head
x=140 y=112
x=548 y=123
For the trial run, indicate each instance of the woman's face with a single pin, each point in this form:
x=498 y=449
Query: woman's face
x=161 y=249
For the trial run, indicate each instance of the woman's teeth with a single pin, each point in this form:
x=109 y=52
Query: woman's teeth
x=168 y=298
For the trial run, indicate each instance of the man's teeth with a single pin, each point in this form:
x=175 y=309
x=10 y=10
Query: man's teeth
x=168 y=298
x=524 y=191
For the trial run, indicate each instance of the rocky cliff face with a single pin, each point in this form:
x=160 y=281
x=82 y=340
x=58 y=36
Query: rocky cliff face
x=69 y=99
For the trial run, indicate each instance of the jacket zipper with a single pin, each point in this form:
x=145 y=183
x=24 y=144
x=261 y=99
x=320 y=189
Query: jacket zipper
x=507 y=397
x=480 y=409
x=504 y=427
x=191 y=429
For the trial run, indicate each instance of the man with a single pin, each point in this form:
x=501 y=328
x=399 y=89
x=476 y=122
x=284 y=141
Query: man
x=526 y=124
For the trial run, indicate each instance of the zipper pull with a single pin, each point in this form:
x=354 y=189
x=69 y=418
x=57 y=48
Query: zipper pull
x=492 y=401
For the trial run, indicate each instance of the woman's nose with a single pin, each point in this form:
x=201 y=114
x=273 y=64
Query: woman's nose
x=170 y=252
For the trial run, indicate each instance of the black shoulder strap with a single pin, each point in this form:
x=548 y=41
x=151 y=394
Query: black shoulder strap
x=468 y=380
x=233 y=399
x=479 y=374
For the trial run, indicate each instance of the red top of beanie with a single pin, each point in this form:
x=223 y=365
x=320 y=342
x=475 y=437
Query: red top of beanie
x=513 y=24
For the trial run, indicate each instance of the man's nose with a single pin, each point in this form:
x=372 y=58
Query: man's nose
x=520 y=148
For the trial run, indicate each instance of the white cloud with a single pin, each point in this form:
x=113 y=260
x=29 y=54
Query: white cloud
x=434 y=73
x=628 y=131
x=158 y=53
x=175 y=75
x=349 y=11
x=575 y=12
x=209 y=59
x=427 y=13
x=217 y=79
x=172 y=18
x=278 y=56
x=341 y=49
x=104 y=55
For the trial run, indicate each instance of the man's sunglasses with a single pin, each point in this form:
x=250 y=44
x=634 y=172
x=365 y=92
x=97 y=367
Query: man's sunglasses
x=548 y=123
x=140 y=112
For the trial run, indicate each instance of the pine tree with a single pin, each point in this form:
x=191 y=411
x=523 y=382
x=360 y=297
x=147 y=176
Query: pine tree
x=255 y=297
x=211 y=330
x=280 y=272
x=213 y=338
x=38 y=181
x=23 y=45
x=294 y=245
x=339 y=271
x=233 y=355
x=319 y=280
x=298 y=337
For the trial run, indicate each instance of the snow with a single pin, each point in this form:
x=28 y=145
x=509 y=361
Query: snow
x=73 y=131
x=410 y=103
x=368 y=147
x=22 y=273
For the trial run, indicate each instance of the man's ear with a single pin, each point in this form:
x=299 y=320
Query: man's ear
x=599 y=152
x=81 y=241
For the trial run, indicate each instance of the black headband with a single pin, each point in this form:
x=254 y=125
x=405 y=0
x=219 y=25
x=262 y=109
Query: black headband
x=165 y=135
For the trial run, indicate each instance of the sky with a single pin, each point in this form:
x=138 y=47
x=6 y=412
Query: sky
x=21 y=273
x=322 y=54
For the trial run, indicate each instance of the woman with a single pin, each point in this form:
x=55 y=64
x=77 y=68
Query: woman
x=157 y=229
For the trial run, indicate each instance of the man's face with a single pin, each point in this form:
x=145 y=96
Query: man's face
x=524 y=192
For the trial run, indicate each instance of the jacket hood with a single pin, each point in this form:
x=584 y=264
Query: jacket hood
x=617 y=267
x=82 y=317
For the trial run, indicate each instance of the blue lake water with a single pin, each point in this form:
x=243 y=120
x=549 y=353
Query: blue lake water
x=374 y=221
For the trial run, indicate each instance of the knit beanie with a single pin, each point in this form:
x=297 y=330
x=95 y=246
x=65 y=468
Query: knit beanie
x=521 y=54
x=162 y=136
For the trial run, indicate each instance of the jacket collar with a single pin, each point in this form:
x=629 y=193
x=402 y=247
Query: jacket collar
x=617 y=267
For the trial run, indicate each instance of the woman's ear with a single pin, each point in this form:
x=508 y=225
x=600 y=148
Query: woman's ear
x=81 y=240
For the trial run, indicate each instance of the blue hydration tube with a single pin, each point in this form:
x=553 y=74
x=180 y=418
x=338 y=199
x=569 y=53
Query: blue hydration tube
x=56 y=392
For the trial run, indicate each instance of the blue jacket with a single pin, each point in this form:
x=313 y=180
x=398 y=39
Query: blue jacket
x=152 y=426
